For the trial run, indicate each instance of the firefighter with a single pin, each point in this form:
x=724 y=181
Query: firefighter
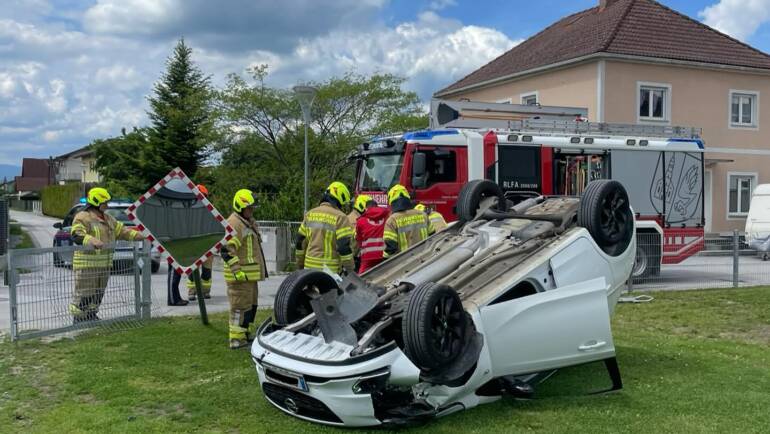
x=325 y=235
x=244 y=267
x=369 y=229
x=359 y=206
x=94 y=228
x=406 y=226
x=205 y=269
x=436 y=219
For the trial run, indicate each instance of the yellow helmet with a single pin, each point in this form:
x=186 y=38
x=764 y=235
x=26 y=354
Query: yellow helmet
x=397 y=191
x=98 y=196
x=360 y=204
x=243 y=198
x=420 y=207
x=339 y=191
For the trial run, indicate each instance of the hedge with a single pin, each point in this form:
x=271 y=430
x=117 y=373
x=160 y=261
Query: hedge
x=59 y=199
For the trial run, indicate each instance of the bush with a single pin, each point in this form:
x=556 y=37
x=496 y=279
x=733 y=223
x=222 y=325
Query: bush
x=58 y=199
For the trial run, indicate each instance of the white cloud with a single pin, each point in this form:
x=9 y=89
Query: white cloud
x=63 y=84
x=438 y=5
x=430 y=52
x=737 y=18
x=234 y=26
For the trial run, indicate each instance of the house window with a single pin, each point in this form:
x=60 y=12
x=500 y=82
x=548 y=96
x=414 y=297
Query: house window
x=744 y=106
x=739 y=188
x=654 y=102
x=529 y=98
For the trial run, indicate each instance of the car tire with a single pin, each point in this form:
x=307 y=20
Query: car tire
x=473 y=193
x=606 y=213
x=57 y=261
x=155 y=266
x=433 y=326
x=292 y=301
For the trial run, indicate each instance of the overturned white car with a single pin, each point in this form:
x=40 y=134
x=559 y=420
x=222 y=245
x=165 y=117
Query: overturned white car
x=491 y=306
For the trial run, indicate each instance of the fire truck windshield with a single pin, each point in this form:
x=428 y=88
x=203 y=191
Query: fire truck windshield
x=380 y=172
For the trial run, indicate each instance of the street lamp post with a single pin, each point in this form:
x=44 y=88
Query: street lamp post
x=305 y=95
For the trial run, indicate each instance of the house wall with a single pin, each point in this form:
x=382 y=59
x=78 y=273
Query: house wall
x=70 y=169
x=88 y=171
x=572 y=87
x=701 y=98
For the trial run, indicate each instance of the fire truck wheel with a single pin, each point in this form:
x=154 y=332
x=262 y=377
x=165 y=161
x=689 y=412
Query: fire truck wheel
x=292 y=301
x=472 y=195
x=433 y=326
x=606 y=212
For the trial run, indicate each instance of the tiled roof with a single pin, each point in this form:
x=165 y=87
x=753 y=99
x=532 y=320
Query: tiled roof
x=34 y=175
x=643 y=28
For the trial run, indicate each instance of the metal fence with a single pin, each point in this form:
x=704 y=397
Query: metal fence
x=278 y=242
x=721 y=262
x=42 y=290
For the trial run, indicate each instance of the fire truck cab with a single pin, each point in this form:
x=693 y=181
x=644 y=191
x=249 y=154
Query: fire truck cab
x=533 y=150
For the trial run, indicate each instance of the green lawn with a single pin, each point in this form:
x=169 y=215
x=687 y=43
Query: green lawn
x=696 y=361
x=187 y=250
x=25 y=242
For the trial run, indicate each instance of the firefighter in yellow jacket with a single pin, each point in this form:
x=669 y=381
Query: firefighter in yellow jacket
x=405 y=226
x=244 y=267
x=436 y=219
x=325 y=235
x=96 y=229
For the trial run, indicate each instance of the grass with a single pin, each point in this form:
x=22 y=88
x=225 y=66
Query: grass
x=187 y=250
x=694 y=361
x=25 y=241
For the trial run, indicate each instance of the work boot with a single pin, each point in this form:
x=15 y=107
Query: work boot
x=192 y=297
x=207 y=296
x=238 y=343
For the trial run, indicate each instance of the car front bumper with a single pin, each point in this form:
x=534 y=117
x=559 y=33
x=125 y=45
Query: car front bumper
x=329 y=391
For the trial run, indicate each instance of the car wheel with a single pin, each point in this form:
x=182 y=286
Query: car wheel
x=472 y=195
x=292 y=301
x=155 y=266
x=606 y=213
x=433 y=326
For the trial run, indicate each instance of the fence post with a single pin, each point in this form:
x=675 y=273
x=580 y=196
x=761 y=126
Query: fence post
x=146 y=280
x=12 y=297
x=735 y=258
x=138 y=270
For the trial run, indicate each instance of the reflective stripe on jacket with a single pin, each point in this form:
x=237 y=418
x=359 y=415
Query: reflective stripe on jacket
x=92 y=223
x=244 y=250
x=352 y=219
x=327 y=239
x=437 y=220
x=404 y=229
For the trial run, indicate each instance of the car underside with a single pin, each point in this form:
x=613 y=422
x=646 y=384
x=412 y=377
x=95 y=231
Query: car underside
x=491 y=306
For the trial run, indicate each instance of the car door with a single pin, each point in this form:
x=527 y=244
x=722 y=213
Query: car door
x=565 y=326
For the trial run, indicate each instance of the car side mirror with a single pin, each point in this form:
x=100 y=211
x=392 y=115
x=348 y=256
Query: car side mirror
x=419 y=175
x=57 y=225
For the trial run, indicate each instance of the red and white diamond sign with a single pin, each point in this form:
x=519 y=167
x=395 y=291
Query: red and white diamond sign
x=180 y=219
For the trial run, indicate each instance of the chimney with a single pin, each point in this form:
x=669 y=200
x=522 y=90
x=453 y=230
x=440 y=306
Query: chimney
x=604 y=4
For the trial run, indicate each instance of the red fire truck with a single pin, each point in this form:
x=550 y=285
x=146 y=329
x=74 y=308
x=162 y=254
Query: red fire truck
x=533 y=150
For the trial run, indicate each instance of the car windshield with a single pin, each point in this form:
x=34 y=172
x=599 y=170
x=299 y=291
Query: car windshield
x=380 y=172
x=119 y=214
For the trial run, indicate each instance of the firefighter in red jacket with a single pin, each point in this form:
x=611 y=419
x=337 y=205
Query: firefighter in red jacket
x=369 y=229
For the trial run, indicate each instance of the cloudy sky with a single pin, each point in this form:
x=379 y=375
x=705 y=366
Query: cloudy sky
x=75 y=70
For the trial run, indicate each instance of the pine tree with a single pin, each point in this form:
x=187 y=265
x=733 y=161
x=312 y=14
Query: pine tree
x=181 y=118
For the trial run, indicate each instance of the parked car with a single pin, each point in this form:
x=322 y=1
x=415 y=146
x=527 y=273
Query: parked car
x=491 y=306
x=123 y=253
x=758 y=221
